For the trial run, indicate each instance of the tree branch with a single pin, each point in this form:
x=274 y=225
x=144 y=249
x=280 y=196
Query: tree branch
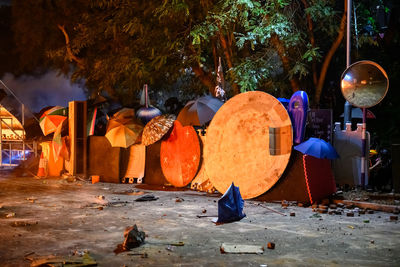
x=329 y=55
x=312 y=41
x=71 y=55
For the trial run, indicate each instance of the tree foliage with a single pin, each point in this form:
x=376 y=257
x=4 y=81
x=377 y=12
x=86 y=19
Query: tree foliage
x=278 y=46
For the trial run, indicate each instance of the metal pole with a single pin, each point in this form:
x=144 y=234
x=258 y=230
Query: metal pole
x=363 y=147
x=347 y=105
x=348 y=43
x=1 y=140
x=23 y=114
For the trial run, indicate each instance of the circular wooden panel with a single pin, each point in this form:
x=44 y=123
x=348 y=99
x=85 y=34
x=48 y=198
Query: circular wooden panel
x=249 y=143
x=180 y=155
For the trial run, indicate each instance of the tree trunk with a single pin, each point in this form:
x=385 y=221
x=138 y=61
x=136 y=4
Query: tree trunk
x=294 y=82
x=227 y=49
x=329 y=55
x=205 y=78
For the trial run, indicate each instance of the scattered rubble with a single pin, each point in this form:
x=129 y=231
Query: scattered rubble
x=271 y=245
x=52 y=260
x=133 y=237
x=10 y=215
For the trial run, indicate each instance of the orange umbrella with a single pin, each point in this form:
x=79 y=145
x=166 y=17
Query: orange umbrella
x=180 y=155
x=123 y=128
x=123 y=135
x=51 y=118
x=125 y=115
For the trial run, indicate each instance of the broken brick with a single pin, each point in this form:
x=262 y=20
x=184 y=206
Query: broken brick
x=271 y=245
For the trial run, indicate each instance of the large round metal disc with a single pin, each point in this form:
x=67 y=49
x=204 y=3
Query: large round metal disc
x=249 y=142
x=180 y=155
x=364 y=84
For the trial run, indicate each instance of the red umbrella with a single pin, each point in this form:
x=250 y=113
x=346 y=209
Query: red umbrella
x=51 y=118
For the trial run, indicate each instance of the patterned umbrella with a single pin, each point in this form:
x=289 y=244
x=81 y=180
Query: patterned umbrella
x=51 y=118
x=199 y=111
x=157 y=128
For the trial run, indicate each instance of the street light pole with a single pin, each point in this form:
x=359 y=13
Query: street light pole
x=347 y=105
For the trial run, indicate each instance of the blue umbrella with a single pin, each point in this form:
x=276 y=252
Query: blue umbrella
x=317 y=148
x=230 y=206
x=146 y=113
x=284 y=101
x=200 y=111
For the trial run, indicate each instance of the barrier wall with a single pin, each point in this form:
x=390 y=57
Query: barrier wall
x=348 y=144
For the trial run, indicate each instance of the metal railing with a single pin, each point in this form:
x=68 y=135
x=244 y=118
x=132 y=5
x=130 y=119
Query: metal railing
x=15 y=148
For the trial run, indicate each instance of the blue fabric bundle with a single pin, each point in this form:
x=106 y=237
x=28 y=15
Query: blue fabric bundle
x=230 y=206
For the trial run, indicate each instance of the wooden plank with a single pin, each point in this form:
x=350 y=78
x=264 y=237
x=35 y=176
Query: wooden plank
x=369 y=205
x=241 y=249
x=238 y=144
x=180 y=155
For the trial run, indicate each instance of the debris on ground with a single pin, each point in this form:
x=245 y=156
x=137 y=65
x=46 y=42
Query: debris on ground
x=179 y=199
x=147 y=198
x=133 y=239
x=10 y=215
x=268 y=208
x=169 y=248
x=241 y=249
x=129 y=192
x=117 y=203
x=81 y=261
x=23 y=223
x=178 y=244
x=271 y=245
x=142 y=255
x=31 y=199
